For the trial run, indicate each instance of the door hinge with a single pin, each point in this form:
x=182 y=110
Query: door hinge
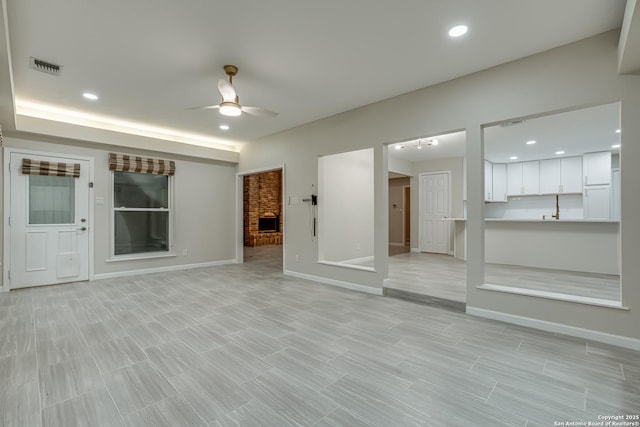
x=91 y=185
x=9 y=221
x=9 y=274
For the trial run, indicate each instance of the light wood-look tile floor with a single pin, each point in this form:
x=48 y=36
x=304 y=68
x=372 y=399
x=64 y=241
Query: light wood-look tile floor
x=444 y=277
x=242 y=345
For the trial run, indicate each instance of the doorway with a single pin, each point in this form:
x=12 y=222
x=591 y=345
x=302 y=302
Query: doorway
x=49 y=219
x=406 y=217
x=262 y=207
x=434 y=211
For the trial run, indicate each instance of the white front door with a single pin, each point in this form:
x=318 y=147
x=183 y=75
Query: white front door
x=434 y=208
x=49 y=223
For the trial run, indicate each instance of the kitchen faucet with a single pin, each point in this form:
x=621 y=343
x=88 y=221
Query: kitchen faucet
x=557 y=214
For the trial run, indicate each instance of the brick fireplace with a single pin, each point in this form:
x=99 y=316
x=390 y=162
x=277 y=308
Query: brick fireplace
x=263 y=209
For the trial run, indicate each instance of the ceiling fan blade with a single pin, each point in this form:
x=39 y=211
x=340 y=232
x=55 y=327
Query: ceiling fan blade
x=204 y=107
x=260 y=112
x=226 y=90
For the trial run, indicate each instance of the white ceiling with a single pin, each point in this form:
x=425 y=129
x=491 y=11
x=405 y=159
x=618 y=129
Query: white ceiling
x=149 y=60
x=449 y=145
x=574 y=132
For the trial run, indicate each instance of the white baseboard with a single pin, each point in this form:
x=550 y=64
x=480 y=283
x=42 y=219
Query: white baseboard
x=395 y=244
x=603 y=337
x=416 y=250
x=385 y=283
x=333 y=282
x=162 y=269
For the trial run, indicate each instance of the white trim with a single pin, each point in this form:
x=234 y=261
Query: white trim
x=6 y=189
x=554 y=296
x=347 y=264
x=240 y=210
x=163 y=269
x=448 y=173
x=395 y=244
x=386 y=283
x=416 y=250
x=332 y=282
x=604 y=337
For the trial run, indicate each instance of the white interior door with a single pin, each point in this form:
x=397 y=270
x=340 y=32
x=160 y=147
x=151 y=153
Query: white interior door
x=49 y=237
x=434 y=208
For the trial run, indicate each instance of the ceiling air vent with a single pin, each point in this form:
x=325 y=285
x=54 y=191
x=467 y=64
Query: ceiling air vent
x=513 y=123
x=44 y=66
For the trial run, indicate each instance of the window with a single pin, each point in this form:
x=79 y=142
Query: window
x=141 y=213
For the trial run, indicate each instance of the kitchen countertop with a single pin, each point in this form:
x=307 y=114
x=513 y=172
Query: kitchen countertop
x=579 y=220
x=568 y=220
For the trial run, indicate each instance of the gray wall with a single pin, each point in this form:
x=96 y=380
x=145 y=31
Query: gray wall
x=204 y=206
x=576 y=75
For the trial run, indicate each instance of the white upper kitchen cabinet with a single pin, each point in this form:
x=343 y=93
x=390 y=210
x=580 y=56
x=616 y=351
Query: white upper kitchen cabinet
x=597 y=168
x=561 y=176
x=550 y=176
x=514 y=179
x=531 y=177
x=488 y=180
x=499 y=193
x=571 y=174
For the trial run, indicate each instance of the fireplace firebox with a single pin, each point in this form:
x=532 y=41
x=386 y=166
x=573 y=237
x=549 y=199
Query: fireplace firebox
x=268 y=224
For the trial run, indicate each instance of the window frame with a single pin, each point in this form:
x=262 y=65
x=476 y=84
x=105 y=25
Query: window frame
x=112 y=212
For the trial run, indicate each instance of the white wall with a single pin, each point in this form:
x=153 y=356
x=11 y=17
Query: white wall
x=533 y=207
x=580 y=74
x=204 y=207
x=345 y=206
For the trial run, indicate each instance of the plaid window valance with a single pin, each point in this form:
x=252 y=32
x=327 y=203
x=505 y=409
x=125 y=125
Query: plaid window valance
x=43 y=167
x=126 y=163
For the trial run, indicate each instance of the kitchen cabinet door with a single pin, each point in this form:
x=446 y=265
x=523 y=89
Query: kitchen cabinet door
x=531 y=177
x=488 y=181
x=597 y=202
x=550 y=176
x=571 y=179
x=597 y=168
x=514 y=179
x=499 y=182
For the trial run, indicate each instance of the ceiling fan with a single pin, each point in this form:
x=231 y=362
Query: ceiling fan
x=230 y=105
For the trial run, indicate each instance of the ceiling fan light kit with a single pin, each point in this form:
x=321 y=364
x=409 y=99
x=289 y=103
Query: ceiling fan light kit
x=230 y=105
x=230 y=109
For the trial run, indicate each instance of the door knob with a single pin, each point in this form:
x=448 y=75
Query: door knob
x=82 y=229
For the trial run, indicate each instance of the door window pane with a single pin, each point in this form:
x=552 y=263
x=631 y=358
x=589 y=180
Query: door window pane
x=141 y=231
x=51 y=200
x=140 y=190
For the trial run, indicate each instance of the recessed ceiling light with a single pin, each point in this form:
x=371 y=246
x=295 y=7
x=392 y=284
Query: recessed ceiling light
x=458 y=30
x=617 y=130
x=224 y=127
x=513 y=158
x=615 y=146
x=399 y=147
x=559 y=152
x=531 y=142
x=91 y=96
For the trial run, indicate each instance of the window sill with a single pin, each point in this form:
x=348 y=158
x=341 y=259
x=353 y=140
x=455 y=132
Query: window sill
x=138 y=257
x=554 y=296
x=346 y=265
